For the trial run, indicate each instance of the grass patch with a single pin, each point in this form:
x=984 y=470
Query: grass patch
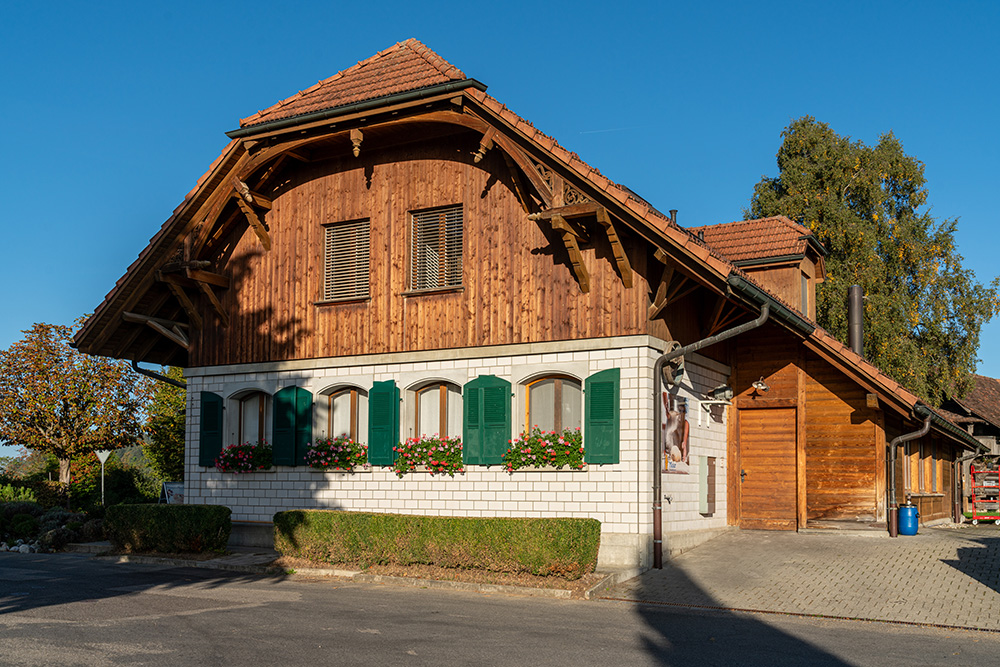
x=547 y=547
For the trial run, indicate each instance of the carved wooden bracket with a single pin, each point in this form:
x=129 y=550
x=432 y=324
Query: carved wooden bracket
x=356 y=138
x=669 y=290
x=247 y=200
x=621 y=259
x=575 y=256
x=485 y=145
x=173 y=331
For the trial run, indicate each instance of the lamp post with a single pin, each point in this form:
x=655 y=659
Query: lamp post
x=103 y=455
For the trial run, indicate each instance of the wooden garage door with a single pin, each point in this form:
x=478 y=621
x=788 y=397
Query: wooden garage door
x=767 y=470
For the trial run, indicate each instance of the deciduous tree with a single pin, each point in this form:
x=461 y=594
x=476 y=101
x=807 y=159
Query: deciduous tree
x=866 y=204
x=57 y=400
x=164 y=446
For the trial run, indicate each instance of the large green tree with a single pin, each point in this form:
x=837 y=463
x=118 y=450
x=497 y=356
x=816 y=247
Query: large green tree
x=164 y=446
x=866 y=204
x=57 y=400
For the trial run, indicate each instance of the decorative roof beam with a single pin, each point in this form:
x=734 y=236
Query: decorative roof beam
x=660 y=299
x=356 y=138
x=575 y=256
x=484 y=145
x=216 y=304
x=621 y=259
x=194 y=317
x=175 y=332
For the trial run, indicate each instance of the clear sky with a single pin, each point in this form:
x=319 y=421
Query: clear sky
x=112 y=110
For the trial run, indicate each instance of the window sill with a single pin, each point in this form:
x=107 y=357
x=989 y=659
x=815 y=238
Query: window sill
x=349 y=299
x=435 y=290
x=334 y=471
x=552 y=469
x=925 y=495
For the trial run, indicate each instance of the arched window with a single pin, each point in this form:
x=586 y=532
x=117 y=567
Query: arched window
x=348 y=413
x=554 y=403
x=438 y=409
x=252 y=413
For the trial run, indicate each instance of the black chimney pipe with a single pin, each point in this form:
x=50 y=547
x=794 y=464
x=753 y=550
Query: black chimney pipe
x=856 y=319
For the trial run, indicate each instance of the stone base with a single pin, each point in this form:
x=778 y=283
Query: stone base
x=624 y=550
x=677 y=543
x=252 y=534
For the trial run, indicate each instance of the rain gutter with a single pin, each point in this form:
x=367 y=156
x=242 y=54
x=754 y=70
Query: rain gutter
x=356 y=107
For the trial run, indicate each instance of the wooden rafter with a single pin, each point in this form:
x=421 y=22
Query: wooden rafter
x=575 y=256
x=129 y=339
x=660 y=300
x=484 y=145
x=171 y=330
x=621 y=259
x=216 y=304
x=202 y=276
x=568 y=212
x=194 y=317
x=715 y=317
x=519 y=188
x=249 y=196
x=258 y=227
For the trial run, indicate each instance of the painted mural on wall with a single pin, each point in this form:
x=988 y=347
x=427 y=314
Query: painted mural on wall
x=676 y=451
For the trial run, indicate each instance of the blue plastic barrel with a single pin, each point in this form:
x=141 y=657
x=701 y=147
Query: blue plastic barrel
x=908 y=520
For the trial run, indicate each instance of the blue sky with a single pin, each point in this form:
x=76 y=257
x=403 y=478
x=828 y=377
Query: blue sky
x=111 y=111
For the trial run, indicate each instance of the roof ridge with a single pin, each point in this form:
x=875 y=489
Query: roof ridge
x=433 y=58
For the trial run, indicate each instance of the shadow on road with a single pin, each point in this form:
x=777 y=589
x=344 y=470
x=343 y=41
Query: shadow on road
x=687 y=626
x=981 y=563
x=40 y=580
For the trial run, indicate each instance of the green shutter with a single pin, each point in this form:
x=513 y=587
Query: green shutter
x=210 y=440
x=486 y=431
x=383 y=423
x=472 y=431
x=303 y=424
x=601 y=421
x=283 y=427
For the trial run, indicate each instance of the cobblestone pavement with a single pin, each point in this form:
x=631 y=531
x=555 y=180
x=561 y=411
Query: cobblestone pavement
x=943 y=576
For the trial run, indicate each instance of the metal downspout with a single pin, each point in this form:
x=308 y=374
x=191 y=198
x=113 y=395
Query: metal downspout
x=896 y=442
x=156 y=376
x=658 y=416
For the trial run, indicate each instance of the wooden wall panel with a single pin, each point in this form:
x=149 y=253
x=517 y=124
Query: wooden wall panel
x=517 y=283
x=841 y=460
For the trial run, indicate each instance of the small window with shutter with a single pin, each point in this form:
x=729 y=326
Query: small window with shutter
x=436 y=248
x=345 y=273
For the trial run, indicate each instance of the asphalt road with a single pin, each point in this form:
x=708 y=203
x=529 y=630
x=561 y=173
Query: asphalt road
x=72 y=610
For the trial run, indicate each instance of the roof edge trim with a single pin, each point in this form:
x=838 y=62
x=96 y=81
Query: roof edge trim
x=778 y=309
x=364 y=105
x=945 y=426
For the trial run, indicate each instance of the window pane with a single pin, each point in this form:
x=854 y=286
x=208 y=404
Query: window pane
x=250 y=418
x=572 y=405
x=454 y=411
x=340 y=417
x=541 y=405
x=429 y=410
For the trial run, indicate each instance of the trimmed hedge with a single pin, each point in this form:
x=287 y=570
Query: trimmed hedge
x=561 y=547
x=168 y=528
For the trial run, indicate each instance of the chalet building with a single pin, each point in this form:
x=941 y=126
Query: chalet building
x=392 y=252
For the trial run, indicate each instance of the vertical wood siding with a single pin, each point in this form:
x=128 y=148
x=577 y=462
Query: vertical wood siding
x=517 y=284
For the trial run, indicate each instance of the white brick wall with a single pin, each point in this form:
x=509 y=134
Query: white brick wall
x=619 y=496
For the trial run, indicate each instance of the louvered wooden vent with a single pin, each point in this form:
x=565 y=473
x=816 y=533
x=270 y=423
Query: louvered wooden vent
x=436 y=248
x=347 y=260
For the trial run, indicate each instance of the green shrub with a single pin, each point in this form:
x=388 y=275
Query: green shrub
x=561 y=547
x=168 y=528
x=10 y=493
x=21 y=507
x=57 y=538
x=23 y=526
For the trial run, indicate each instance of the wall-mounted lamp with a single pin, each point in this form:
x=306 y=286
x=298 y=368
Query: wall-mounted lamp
x=760 y=386
x=721 y=393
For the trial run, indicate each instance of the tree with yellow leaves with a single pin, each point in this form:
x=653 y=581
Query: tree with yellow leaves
x=923 y=309
x=57 y=400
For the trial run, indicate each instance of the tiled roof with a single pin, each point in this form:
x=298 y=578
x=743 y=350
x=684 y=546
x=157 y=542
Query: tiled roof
x=984 y=399
x=748 y=240
x=406 y=66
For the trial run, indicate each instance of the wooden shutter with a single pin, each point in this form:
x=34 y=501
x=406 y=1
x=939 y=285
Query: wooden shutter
x=346 y=274
x=292 y=425
x=601 y=419
x=486 y=428
x=210 y=439
x=383 y=423
x=436 y=248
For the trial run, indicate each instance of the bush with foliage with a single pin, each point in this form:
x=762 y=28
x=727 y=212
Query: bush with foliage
x=10 y=493
x=164 y=444
x=438 y=455
x=168 y=528
x=538 y=448
x=340 y=453
x=559 y=547
x=247 y=457
x=122 y=483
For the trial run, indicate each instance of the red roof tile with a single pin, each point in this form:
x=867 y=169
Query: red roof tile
x=408 y=65
x=748 y=240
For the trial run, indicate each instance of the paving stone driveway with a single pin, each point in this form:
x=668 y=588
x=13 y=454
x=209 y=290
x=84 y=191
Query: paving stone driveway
x=946 y=576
